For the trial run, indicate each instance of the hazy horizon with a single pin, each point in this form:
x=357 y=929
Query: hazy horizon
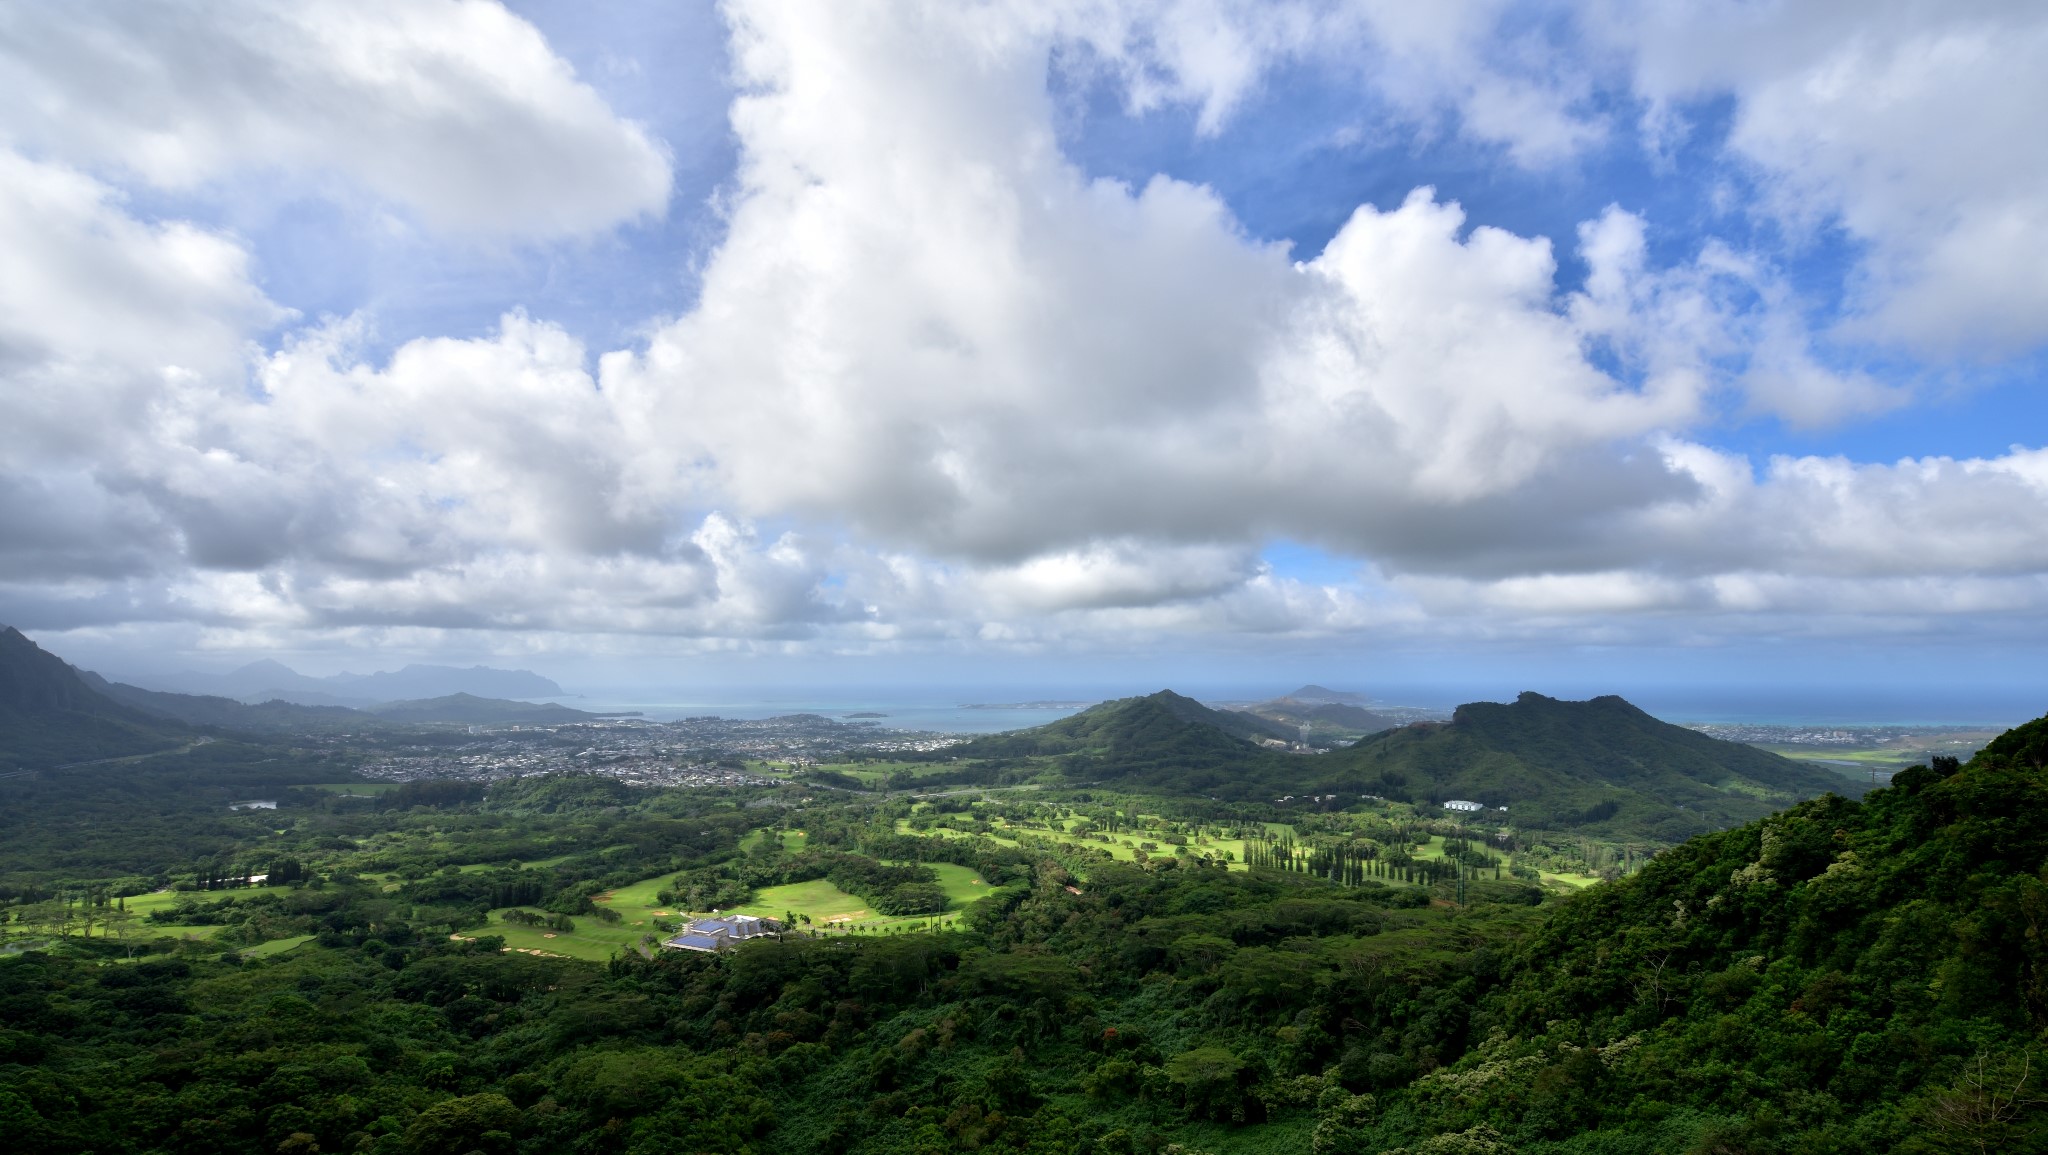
x=1793 y=702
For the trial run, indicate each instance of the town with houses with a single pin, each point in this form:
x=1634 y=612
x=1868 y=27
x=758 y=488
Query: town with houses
x=691 y=752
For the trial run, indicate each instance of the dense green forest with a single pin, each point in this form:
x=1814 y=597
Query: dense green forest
x=1845 y=976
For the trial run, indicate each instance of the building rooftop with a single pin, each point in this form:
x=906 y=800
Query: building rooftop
x=717 y=933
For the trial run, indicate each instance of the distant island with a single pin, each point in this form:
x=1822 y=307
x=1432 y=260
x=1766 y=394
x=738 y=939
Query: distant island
x=864 y=714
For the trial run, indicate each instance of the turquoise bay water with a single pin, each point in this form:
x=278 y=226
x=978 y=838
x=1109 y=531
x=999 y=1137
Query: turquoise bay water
x=946 y=718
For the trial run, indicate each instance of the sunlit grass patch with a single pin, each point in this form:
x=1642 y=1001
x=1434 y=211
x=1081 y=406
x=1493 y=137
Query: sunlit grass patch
x=277 y=946
x=593 y=940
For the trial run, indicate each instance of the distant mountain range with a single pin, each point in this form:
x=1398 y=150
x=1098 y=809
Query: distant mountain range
x=271 y=681
x=54 y=715
x=1603 y=765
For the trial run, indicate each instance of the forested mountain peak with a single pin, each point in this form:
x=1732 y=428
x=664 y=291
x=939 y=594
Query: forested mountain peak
x=1602 y=764
x=1164 y=739
x=1138 y=724
x=33 y=680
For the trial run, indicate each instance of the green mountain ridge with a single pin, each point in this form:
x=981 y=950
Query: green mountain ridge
x=53 y=714
x=1163 y=737
x=1601 y=766
x=51 y=717
x=226 y=713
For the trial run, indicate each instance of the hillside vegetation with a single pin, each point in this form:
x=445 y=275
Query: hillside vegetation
x=50 y=717
x=1596 y=764
x=1602 y=766
x=1843 y=977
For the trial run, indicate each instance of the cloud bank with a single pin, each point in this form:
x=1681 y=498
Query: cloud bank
x=942 y=387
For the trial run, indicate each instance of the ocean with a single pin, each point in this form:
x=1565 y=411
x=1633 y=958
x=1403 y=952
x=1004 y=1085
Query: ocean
x=898 y=714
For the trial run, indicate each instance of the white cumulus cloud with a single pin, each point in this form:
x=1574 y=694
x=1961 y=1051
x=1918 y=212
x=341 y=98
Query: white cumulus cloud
x=457 y=109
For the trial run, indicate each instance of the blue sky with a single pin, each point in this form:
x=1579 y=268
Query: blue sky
x=1630 y=345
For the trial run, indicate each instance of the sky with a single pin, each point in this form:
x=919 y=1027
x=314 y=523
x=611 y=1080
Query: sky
x=1658 y=346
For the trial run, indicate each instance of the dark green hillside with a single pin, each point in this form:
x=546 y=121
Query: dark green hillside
x=1841 y=977
x=1162 y=740
x=227 y=713
x=1602 y=764
x=49 y=716
x=281 y=715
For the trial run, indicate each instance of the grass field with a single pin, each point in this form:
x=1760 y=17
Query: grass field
x=277 y=946
x=145 y=904
x=962 y=885
x=829 y=907
x=824 y=902
x=637 y=900
x=356 y=789
x=832 y=909
x=592 y=940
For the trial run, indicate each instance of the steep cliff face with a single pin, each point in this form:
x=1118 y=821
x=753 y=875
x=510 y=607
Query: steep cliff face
x=50 y=716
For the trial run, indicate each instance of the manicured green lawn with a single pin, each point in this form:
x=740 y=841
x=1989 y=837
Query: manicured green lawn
x=832 y=909
x=873 y=773
x=144 y=904
x=818 y=898
x=277 y=946
x=961 y=884
x=592 y=940
x=631 y=900
x=828 y=906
